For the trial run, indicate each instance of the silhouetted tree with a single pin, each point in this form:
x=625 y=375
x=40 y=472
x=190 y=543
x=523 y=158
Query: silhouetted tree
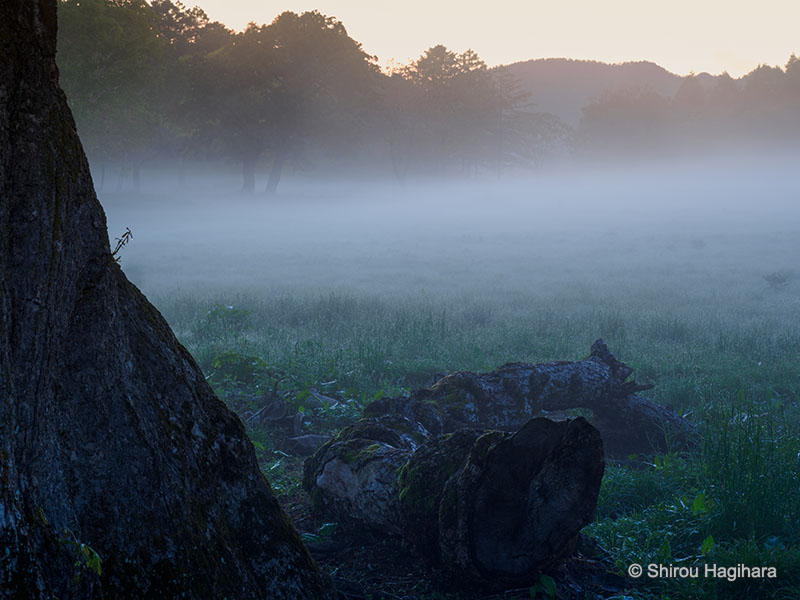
x=112 y=66
x=187 y=30
x=325 y=83
x=189 y=36
x=229 y=104
x=460 y=109
x=274 y=89
x=528 y=137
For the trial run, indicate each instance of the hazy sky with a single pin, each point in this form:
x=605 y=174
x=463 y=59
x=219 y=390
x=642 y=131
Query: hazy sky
x=680 y=35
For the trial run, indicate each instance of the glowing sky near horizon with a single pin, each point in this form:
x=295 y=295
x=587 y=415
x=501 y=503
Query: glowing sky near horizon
x=680 y=35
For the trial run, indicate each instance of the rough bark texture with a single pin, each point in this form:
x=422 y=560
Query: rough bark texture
x=493 y=508
x=353 y=477
x=508 y=397
x=109 y=434
x=517 y=505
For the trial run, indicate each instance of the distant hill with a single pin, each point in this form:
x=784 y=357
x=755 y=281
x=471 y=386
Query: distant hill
x=563 y=86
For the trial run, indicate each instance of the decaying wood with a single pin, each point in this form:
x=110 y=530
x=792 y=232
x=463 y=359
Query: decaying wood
x=353 y=477
x=517 y=505
x=492 y=508
x=509 y=396
x=110 y=437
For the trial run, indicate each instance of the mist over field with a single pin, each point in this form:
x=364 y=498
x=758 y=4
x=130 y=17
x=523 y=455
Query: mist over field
x=677 y=266
x=684 y=228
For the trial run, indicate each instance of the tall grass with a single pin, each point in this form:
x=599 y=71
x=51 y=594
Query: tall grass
x=390 y=342
x=750 y=463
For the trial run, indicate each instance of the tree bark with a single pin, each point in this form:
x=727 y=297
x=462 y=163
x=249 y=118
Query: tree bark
x=353 y=477
x=510 y=395
x=494 y=509
x=109 y=434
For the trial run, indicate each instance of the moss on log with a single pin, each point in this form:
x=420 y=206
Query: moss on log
x=509 y=396
x=492 y=508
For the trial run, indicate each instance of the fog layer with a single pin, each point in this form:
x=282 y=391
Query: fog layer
x=685 y=228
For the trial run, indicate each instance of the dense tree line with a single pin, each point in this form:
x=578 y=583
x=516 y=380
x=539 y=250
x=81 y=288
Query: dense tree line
x=160 y=81
x=157 y=82
x=759 y=111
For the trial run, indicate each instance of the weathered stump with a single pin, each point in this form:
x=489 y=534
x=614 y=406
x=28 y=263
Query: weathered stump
x=492 y=508
x=515 y=508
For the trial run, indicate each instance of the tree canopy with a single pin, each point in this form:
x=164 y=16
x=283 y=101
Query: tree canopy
x=160 y=80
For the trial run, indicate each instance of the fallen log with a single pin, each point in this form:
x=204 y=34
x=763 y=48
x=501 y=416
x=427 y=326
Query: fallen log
x=492 y=508
x=509 y=396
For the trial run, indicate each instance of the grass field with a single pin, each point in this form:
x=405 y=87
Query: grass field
x=362 y=294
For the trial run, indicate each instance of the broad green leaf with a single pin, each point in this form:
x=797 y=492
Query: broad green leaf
x=707 y=545
x=699 y=505
x=549 y=585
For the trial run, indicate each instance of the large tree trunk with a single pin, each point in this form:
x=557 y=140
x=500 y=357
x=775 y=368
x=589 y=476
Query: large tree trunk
x=109 y=434
x=510 y=395
x=494 y=509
